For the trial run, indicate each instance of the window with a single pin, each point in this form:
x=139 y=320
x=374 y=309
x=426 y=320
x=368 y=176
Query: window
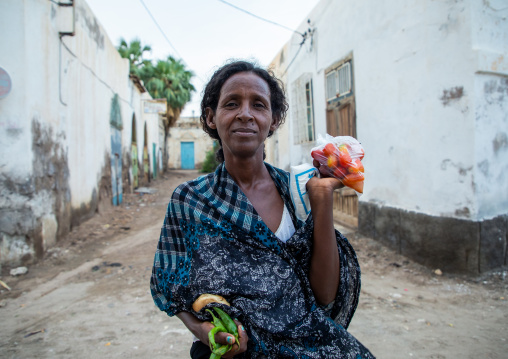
x=310 y=111
x=302 y=98
x=338 y=82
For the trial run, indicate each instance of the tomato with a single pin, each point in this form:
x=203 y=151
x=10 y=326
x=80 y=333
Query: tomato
x=332 y=161
x=339 y=172
x=356 y=166
x=354 y=181
x=318 y=155
x=344 y=156
x=329 y=149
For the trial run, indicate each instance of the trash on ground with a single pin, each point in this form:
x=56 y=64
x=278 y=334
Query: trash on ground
x=3 y=284
x=33 y=333
x=19 y=271
x=145 y=190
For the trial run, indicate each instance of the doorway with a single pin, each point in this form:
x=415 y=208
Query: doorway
x=187 y=155
x=341 y=121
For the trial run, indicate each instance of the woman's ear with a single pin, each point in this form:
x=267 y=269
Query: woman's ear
x=275 y=124
x=210 y=118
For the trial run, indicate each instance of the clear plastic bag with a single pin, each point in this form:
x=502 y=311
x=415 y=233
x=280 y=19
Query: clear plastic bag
x=341 y=157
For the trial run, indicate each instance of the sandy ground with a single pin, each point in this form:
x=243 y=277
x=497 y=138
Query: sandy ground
x=90 y=298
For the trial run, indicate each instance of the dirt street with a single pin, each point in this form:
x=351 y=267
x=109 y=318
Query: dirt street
x=90 y=297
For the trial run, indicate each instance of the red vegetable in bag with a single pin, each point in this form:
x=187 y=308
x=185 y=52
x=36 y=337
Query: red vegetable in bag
x=341 y=157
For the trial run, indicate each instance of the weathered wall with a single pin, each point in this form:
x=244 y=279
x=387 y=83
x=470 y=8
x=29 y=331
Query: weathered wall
x=153 y=112
x=430 y=91
x=55 y=124
x=276 y=145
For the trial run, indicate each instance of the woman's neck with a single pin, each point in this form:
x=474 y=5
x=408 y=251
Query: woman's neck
x=247 y=172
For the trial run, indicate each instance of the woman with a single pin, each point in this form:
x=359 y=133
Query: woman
x=293 y=286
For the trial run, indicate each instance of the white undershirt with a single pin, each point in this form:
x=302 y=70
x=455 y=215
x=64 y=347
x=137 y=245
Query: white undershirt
x=286 y=227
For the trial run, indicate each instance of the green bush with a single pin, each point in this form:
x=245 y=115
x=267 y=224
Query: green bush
x=210 y=163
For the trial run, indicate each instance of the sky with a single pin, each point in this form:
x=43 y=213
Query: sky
x=203 y=33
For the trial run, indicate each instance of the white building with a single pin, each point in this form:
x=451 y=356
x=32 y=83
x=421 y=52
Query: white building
x=423 y=86
x=67 y=125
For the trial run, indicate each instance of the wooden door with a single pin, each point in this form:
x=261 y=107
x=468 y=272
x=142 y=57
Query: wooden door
x=341 y=121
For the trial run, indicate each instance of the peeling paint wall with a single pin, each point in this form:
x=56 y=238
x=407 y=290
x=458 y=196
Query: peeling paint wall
x=419 y=82
x=490 y=42
x=430 y=85
x=55 y=123
x=491 y=159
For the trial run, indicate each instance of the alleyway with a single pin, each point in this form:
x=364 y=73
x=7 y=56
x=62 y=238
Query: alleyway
x=90 y=297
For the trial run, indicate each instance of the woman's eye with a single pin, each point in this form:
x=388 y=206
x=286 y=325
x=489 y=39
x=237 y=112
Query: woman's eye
x=260 y=105
x=230 y=104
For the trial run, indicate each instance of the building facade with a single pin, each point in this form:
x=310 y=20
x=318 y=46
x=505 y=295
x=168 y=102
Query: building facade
x=423 y=86
x=71 y=126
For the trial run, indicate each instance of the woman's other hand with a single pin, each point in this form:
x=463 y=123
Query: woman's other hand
x=201 y=330
x=222 y=338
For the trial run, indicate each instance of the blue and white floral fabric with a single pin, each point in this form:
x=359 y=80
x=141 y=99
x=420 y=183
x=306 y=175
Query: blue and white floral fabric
x=213 y=241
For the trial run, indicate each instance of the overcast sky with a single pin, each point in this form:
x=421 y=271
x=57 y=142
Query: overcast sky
x=204 y=33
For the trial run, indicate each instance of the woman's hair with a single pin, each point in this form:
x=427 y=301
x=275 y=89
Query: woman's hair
x=212 y=90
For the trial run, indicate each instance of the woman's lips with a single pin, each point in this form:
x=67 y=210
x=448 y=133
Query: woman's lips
x=244 y=132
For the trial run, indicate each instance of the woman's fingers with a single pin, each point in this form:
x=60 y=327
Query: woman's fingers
x=243 y=337
x=237 y=347
x=224 y=338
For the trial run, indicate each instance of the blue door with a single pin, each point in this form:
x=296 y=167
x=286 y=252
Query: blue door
x=187 y=155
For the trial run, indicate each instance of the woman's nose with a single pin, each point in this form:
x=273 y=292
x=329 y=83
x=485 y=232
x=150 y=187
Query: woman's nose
x=244 y=113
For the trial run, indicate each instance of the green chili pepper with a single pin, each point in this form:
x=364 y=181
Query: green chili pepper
x=229 y=324
x=220 y=351
x=226 y=325
x=218 y=327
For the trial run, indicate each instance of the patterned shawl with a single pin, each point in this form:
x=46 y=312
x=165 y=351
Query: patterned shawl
x=213 y=241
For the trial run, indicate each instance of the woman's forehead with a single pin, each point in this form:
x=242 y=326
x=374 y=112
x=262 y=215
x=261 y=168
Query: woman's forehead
x=243 y=81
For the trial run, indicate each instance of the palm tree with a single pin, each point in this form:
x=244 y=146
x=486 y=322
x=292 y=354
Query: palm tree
x=168 y=79
x=134 y=52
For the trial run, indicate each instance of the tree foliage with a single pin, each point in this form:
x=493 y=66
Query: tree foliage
x=134 y=51
x=167 y=79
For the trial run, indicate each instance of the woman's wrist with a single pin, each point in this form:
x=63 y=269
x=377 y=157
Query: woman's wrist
x=197 y=327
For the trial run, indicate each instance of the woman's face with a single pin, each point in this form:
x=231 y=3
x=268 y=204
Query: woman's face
x=244 y=116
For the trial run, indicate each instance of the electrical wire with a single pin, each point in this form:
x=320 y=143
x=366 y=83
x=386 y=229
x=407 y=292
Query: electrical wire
x=160 y=29
x=163 y=34
x=62 y=43
x=260 y=18
x=294 y=57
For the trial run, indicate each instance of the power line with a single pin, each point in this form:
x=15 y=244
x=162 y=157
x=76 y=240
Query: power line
x=163 y=34
x=160 y=29
x=297 y=52
x=259 y=17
